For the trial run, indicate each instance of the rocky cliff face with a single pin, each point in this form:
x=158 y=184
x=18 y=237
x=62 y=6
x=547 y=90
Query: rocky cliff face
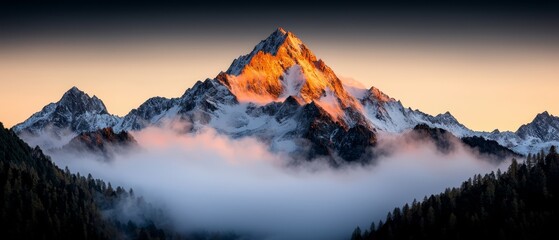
x=103 y=142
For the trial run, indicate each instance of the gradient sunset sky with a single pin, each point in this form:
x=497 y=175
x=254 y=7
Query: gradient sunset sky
x=491 y=65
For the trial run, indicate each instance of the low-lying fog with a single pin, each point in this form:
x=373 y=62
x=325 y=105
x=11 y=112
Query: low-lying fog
x=211 y=182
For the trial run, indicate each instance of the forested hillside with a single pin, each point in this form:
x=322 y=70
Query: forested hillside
x=40 y=201
x=521 y=203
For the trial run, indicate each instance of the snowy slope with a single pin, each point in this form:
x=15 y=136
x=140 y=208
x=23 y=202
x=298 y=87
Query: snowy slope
x=57 y=123
x=282 y=94
x=281 y=66
x=75 y=111
x=539 y=134
x=389 y=115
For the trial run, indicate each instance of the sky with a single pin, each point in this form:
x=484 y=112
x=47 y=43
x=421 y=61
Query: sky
x=492 y=65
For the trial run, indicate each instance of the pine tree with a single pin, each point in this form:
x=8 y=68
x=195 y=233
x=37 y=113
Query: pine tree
x=529 y=162
x=356 y=234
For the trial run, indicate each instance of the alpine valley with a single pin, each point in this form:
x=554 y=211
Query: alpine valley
x=283 y=95
x=277 y=146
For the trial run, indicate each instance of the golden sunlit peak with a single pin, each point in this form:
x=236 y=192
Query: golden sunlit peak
x=281 y=66
x=281 y=30
x=379 y=95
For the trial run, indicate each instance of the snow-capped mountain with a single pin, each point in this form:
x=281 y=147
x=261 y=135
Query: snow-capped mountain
x=544 y=127
x=281 y=66
x=539 y=134
x=74 y=113
x=388 y=114
x=279 y=93
x=282 y=94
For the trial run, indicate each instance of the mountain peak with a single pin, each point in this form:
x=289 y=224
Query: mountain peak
x=544 y=126
x=74 y=91
x=272 y=43
x=281 y=66
x=76 y=100
x=379 y=95
x=446 y=116
x=279 y=39
x=543 y=117
x=280 y=30
x=544 y=114
x=76 y=111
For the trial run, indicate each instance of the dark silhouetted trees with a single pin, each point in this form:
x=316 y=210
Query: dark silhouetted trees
x=521 y=203
x=40 y=201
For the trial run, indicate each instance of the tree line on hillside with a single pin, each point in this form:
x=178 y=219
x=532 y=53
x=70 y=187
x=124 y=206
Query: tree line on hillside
x=520 y=203
x=38 y=200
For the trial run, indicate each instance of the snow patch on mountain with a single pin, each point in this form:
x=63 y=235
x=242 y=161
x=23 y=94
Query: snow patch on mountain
x=293 y=81
x=354 y=87
x=329 y=102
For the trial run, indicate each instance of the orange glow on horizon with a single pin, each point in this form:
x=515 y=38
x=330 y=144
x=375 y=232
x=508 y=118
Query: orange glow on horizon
x=483 y=88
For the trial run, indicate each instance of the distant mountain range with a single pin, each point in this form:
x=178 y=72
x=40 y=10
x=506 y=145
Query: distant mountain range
x=282 y=94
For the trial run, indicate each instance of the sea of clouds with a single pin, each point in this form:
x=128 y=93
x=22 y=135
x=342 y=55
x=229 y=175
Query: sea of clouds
x=207 y=181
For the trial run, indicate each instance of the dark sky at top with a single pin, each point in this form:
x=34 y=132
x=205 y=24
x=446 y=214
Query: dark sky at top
x=532 y=21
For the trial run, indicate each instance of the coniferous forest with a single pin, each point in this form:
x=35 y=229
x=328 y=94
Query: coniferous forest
x=41 y=201
x=520 y=203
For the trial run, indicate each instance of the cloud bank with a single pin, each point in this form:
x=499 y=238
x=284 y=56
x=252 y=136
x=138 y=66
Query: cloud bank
x=207 y=181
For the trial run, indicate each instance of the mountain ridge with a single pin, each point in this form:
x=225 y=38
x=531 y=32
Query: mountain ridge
x=268 y=94
x=75 y=110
